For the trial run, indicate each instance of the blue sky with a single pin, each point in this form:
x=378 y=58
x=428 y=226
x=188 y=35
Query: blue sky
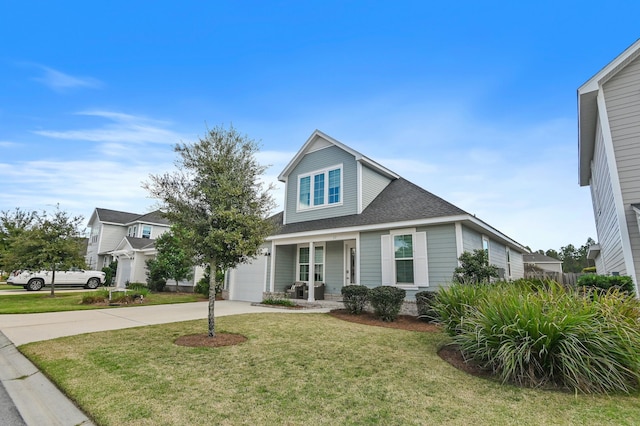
x=473 y=101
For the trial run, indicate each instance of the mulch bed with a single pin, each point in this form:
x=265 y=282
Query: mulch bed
x=403 y=322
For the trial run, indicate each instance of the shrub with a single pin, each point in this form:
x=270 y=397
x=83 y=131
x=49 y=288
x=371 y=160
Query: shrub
x=606 y=282
x=202 y=286
x=387 y=301
x=589 y=270
x=96 y=297
x=156 y=280
x=475 y=268
x=110 y=273
x=555 y=336
x=137 y=286
x=279 y=302
x=424 y=303
x=355 y=298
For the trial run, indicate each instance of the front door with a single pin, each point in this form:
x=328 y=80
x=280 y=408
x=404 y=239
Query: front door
x=350 y=262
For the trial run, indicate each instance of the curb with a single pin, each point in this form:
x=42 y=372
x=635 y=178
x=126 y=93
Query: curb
x=38 y=401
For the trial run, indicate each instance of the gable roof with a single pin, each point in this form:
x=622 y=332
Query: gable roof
x=539 y=258
x=588 y=108
x=319 y=140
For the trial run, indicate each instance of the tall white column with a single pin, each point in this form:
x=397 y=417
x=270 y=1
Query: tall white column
x=312 y=273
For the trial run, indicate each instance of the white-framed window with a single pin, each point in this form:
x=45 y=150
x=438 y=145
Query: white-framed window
x=304 y=263
x=404 y=258
x=146 y=231
x=320 y=188
x=508 y=263
x=132 y=231
x=485 y=246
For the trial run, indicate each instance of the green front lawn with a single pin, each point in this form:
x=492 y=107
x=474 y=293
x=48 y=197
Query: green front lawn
x=297 y=369
x=42 y=302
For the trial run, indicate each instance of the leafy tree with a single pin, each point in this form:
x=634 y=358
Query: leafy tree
x=172 y=259
x=52 y=242
x=574 y=259
x=217 y=198
x=474 y=267
x=12 y=224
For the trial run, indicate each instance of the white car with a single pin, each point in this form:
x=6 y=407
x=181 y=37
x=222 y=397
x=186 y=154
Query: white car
x=34 y=281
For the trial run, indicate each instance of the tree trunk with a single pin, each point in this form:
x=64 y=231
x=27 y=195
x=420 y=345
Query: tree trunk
x=212 y=297
x=53 y=281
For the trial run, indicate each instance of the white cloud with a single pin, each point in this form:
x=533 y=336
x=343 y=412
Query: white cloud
x=124 y=128
x=7 y=144
x=61 y=82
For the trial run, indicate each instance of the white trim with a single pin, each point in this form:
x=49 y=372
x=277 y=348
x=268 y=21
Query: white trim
x=286 y=190
x=616 y=189
x=358 y=156
x=359 y=185
x=459 y=240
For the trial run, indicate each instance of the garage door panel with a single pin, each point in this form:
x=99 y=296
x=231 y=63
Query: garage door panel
x=247 y=281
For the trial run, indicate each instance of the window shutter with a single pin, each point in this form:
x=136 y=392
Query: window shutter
x=387 y=261
x=420 y=262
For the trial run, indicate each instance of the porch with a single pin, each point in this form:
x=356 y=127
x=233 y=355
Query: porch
x=326 y=265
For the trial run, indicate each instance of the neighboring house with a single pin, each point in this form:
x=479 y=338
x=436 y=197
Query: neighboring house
x=609 y=156
x=349 y=220
x=542 y=262
x=125 y=237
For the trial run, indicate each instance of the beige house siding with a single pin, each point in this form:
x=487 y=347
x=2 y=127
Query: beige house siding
x=607 y=225
x=623 y=109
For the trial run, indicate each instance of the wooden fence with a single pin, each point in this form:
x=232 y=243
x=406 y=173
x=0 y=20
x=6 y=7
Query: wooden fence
x=566 y=278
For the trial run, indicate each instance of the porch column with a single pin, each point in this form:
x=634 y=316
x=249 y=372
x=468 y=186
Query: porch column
x=272 y=275
x=312 y=273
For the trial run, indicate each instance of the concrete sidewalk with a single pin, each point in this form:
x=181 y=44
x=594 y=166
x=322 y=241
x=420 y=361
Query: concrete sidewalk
x=34 y=399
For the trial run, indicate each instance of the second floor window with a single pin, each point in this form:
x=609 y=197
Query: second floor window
x=146 y=231
x=321 y=188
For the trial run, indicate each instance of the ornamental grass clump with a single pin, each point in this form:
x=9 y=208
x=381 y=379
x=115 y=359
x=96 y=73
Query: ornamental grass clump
x=456 y=302
x=387 y=302
x=555 y=337
x=355 y=298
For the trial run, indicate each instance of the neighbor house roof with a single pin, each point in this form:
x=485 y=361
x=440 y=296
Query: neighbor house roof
x=539 y=258
x=124 y=218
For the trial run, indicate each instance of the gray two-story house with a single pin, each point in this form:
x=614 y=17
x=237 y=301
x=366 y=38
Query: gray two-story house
x=609 y=153
x=349 y=220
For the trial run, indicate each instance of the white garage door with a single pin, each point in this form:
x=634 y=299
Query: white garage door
x=246 y=282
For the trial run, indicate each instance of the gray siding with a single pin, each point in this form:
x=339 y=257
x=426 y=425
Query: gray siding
x=372 y=185
x=623 y=109
x=112 y=235
x=285 y=267
x=441 y=254
x=334 y=267
x=517 y=265
x=318 y=160
x=607 y=225
x=471 y=240
x=498 y=255
x=371 y=258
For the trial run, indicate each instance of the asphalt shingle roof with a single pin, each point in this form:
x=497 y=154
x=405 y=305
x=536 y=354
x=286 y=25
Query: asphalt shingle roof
x=140 y=243
x=400 y=201
x=114 y=216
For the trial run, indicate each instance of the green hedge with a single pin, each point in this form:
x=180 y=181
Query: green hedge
x=606 y=282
